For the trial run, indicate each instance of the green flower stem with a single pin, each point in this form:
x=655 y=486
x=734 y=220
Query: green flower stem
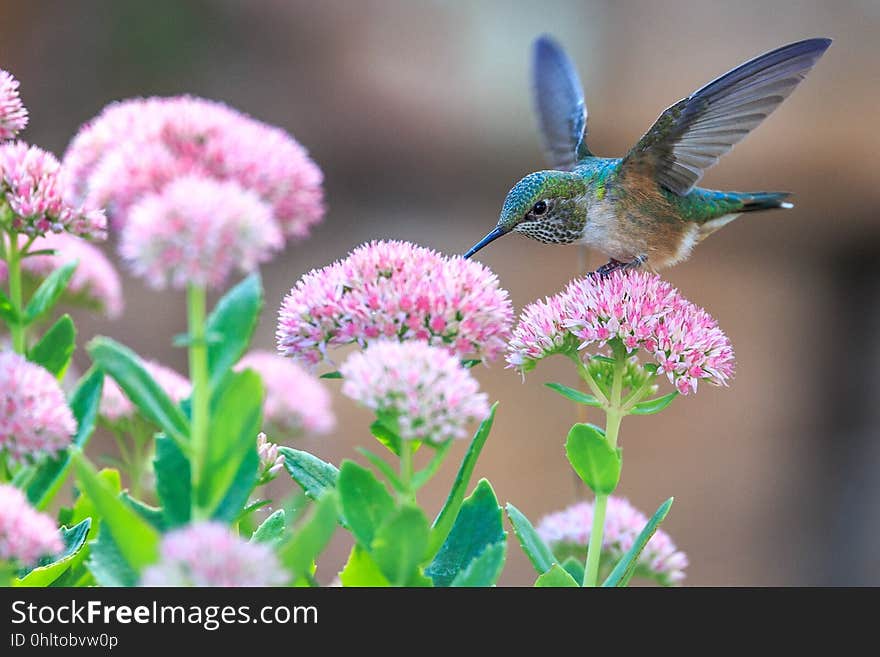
x=198 y=374
x=406 y=471
x=614 y=413
x=13 y=262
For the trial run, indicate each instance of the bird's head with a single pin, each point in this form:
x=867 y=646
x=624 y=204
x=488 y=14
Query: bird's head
x=541 y=206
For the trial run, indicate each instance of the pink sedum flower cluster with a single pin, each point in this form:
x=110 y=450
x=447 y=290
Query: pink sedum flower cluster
x=30 y=185
x=197 y=231
x=115 y=406
x=210 y=554
x=637 y=308
x=136 y=147
x=35 y=420
x=13 y=114
x=296 y=401
x=26 y=535
x=425 y=388
x=95 y=281
x=568 y=531
x=397 y=291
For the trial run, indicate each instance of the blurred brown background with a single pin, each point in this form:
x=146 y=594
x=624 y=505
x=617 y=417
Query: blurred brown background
x=419 y=114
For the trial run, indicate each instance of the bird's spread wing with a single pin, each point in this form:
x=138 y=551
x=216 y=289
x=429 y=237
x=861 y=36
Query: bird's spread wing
x=690 y=136
x=559 y=102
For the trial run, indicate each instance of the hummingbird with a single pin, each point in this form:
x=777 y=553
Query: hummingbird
x=645 y=208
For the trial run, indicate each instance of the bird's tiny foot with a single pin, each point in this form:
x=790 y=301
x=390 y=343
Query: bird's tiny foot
x=616 y=265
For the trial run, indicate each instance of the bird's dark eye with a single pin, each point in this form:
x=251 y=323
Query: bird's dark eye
x=539 y=208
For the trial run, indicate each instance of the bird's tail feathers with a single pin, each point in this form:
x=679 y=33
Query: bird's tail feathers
x=765 y=201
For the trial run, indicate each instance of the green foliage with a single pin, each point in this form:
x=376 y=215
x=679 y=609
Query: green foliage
x=625 y=568
x=485 y=569
x=365 y=502
x=48 y=571
x=271 y=529
x=314 y=476
x=448 y=514
x=236 y=413
x=48 y=293
x=232 y=324
x=84 y=404
x=55 y=349
x=382 y=466
x=387 y=436
x=399 y=546
x=557 y=576
x=653 y=405
x=538 y=552
x=596 y=462
x=361 y=570
x=135 y=539
x=309 y=539
x=574 y=395
x=7 y=310
x=173 y=481
x=477 y=527
x=126 y=368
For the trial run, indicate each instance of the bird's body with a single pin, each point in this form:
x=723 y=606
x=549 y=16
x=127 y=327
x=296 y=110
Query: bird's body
x=644 y=208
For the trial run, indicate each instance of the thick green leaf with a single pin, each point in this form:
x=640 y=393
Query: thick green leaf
x=44 y=574
x=386 y=436
x=382 y=466
x=313 y=475
x=55 y=348
x=596 y=462
x=485 y=569
x=108 y=564
x=538 y=552
x=364 y=501
x=654 y=405
x=7 y=310
x=136 y=540
x=173 y=481
x=229 y=509
x=50 y=290
x=423 y=476
x=400 y=544
x=151 y=514
x=625 y=568
x=575 y=568
x=271 y=529
x=127 y=369
x=331 y=375
x=477 y=526
x=234 y=319
x=361 y=570
x=310 y=538
x=236 y=411
x=84 y=404
x=557 y=576
x=448 y=514
x=574 y=395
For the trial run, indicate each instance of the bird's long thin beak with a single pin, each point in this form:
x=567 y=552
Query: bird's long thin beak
x=493 y=235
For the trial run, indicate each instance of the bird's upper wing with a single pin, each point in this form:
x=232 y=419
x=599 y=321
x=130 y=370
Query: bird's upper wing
x=559 y=102
x=690 y=136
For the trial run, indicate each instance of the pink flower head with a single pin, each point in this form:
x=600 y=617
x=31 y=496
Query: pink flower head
x=426 y=389
x=567 y=533
x=395 y=290
x=13 y=114
x=26 y=535
x=116 y=406
x=641 y=311
x=271 y=462
x=30 y=186
x=35 y=420
x=210 y=554
x=296 y=401
x=198 y=231
x=136 y=147
x=95 y=282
